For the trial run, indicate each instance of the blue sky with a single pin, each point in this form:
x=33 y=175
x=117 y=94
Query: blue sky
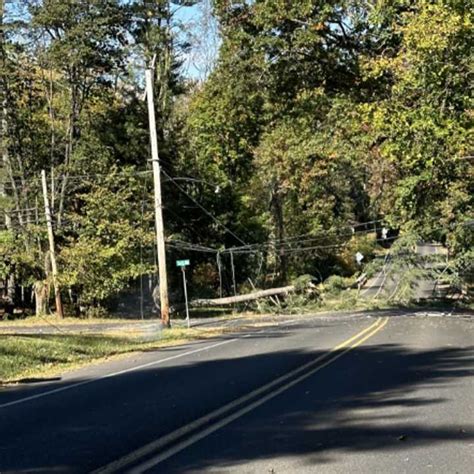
x=206 y=42
x=204 y=38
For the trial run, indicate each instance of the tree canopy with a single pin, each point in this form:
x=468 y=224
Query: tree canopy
x=321 y=121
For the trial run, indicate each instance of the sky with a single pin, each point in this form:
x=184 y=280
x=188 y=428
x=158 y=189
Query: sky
x=201 y=29
x=195 y=24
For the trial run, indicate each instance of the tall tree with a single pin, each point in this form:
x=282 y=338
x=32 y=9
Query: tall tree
x=421 y=126
x=270 y=109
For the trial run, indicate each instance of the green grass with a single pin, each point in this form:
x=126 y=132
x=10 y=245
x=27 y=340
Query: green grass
x=44 y=320
x=68 y=321
x=43 y=356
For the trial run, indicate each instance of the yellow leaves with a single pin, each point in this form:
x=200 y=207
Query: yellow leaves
x=427 y=33
x=375 y=67
x=318 y=26
x=432 y=30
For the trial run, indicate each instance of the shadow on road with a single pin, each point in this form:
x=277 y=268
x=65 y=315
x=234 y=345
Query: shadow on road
x=366 y=401
x=378 y=409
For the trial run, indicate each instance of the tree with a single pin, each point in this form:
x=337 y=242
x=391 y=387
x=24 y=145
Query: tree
x=74 y=108
x=270 y=109
x=109 y=234
x=421 y=127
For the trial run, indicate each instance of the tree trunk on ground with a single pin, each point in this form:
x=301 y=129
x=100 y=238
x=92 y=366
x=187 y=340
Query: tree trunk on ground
x=242 y=298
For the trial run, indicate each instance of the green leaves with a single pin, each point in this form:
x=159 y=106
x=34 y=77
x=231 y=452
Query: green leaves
x=423 y=125
x=111 y=234
x=319 y=114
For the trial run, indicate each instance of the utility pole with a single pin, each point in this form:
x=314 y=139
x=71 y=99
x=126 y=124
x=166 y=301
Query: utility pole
x=160 y=236
x=233 y=272
x=4 y=147
x=3 y=193
x=183 y=269
x=54 y=268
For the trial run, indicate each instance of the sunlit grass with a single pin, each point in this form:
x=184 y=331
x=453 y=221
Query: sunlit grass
x=41 y=355
x=52 y=319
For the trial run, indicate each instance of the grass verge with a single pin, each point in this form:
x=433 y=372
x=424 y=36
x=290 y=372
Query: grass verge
x=68 y=321
x=41 y=356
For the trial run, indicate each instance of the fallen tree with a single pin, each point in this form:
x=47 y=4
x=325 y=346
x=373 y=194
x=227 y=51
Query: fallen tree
x=243 y=298
x=302 y=284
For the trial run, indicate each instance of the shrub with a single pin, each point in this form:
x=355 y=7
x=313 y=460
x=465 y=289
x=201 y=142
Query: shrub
x=336 y=283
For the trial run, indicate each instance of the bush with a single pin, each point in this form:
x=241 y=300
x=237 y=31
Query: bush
x=95 y=312
x=303 y=282
x=336 y=283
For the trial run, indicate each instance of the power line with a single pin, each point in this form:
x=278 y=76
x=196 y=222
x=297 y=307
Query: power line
x=73 y=177
x=191 y=247
x=208 y=213
x=294 y=240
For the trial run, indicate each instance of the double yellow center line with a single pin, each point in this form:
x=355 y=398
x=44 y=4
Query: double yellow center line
x=371 y=330
x=145 y=458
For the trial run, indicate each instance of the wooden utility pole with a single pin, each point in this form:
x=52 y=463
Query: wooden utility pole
x=160 y=236
x=233 y=272
x=4 y=147
x=219 y=268
x=54 y=267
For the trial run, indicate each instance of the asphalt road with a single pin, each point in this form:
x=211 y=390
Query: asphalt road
x=341 y=394
x=386 y=283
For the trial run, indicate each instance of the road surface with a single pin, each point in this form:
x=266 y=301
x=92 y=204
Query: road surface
x=363 y=393
x=388 y=281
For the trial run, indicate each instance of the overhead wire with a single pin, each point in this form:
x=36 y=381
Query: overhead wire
x=288 y=244
x=73 y=177
x=190 y=247
x=290 y=241
x=208 y=213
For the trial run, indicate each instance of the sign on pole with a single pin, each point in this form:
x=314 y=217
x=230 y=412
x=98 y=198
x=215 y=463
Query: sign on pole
x=183 y=264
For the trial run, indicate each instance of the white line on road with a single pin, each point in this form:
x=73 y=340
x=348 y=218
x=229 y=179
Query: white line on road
x=246 y=409
x=113 y=374
x=138 y=367
x=120 y=464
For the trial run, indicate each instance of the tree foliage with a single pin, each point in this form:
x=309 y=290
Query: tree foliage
x=318 y=116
